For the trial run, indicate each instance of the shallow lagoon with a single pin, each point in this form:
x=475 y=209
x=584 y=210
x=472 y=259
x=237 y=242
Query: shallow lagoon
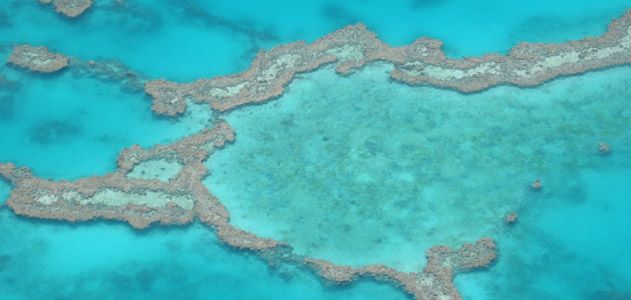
x=362 y=170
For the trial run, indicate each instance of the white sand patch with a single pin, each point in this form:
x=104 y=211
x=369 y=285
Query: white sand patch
x=46 y=199
x=283 y=62
x=227 y=91
x=441 y=73
x=347 y=52
x=112 y=197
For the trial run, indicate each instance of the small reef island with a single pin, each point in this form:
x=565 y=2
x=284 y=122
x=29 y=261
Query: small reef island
x=163 y=184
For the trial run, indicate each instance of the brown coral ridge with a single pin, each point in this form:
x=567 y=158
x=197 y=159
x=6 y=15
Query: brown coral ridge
x=69 y=8
x=422 y=62
x=177 y=201
x=37 y=59
x=435 y=281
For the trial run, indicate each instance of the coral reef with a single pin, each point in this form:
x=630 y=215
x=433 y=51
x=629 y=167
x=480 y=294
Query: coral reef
x=435 y=281
x=69 y=8
x=40 y=59
x=37 y=59
x=422 y=62
x=117 y=196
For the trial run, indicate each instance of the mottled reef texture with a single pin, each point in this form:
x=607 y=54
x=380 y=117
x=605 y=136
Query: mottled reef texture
x=422 y=62
x=69 y=8
x=182 y=198
x=37 y=59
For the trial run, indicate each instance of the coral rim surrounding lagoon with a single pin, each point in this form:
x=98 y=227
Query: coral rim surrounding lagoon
x=422 y=62
x=251 y=165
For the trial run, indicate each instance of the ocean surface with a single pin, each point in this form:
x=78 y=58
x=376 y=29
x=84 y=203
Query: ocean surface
x=356 y=170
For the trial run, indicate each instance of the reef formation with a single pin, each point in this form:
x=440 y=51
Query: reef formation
x=37 y=59
x=422 y=62
x=42 y=60
x=69 y=8
x=140 y=201
x=163 y=184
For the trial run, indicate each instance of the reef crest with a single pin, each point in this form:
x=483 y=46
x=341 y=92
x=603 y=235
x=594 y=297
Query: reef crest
x=422 y=62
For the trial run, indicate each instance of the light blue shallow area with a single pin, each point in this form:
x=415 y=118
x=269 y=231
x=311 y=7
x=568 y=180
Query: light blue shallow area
x=362 y=170
x=185 y=40
x=48 y=260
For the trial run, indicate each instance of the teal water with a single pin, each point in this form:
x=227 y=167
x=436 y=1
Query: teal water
x=357 y=170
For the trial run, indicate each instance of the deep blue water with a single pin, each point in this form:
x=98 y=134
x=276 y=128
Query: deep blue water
x=335 y=181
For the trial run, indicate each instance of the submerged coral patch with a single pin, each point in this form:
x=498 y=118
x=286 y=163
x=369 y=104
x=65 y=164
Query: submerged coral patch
x=54 y=131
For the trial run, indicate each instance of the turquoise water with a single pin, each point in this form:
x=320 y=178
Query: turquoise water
x=44 y=260
x=357 y=169
x=56 y=124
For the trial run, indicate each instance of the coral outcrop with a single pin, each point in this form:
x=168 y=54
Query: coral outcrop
x=69 y=8
x=37 y=59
